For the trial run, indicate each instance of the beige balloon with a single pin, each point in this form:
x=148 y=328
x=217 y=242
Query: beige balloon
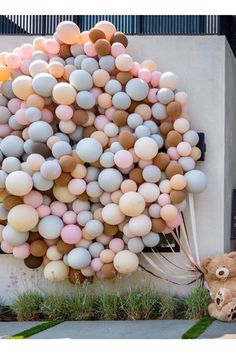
x=62 y=194
x=56 y=271
x=23 y=217
x=132 y=204
x=126 y=262
x=22 y=87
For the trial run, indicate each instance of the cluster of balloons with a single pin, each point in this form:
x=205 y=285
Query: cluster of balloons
x=96 y=153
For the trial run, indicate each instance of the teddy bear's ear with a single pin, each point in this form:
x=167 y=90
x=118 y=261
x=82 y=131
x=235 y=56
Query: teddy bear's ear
x=232 y=255
x=205 y=263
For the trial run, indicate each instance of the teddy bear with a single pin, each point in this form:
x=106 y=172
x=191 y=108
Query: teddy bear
x=220 y=275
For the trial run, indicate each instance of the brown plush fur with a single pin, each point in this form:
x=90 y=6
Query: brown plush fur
x=220 y=275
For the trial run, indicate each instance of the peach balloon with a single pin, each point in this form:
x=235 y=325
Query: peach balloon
x=169 y=213
x=149 y=64
x=132 y=203
x=35 y=101
x=51 y=46
x=178 y=182
x=128 y=185
x=107 y=256
x=100 y=77
x=56 y=69
x=68 y=32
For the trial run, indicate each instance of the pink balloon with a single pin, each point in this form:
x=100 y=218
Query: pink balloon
x=144 y=163
x=145 y=74
x=52 y=46
x=96 y=264
x=164 y=199
x=64 y=112
x=89 y=49
x=43 y=210
x=109 y=112
x=116 y=245
x=77 y=186
x=47 y=115
x=135 y=68
x=176 y=222
x=5 y=130
x=100 y=122
x=69 y=217
x=123 y=159
x=96 y=91
x=155 y=78
x=23 y=105
x=14 y=105
x=71 y=234
x=24 y=66
x=6 y=248
x=117 y=49
x=152 y=95
x=58 y=208
x=13 y=60
x=34 y=198
x=20 y=116
x=27 y=50
x=105 y=198
x=22 y=251
x=173 y=153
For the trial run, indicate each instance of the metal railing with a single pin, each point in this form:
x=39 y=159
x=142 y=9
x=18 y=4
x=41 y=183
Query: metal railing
x=129 y=24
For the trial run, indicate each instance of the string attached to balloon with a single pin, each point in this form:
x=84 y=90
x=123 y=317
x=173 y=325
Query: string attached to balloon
x=193 y=225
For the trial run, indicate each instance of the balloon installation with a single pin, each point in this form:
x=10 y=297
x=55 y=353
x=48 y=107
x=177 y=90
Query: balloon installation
x=97 y=154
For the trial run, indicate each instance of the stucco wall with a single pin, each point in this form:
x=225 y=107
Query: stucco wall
x=207 y=72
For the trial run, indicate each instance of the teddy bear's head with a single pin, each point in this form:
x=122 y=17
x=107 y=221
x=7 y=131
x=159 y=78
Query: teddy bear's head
x=220 y=267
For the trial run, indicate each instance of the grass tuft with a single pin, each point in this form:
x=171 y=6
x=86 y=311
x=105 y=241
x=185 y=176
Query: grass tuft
x=197 y=303
x=168 y=307
x=27 y=306
x=81 y=305
x=139 y=303
x=109 y=306
x=56 y=307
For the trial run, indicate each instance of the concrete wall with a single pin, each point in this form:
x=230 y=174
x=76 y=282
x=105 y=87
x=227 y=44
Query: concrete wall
x=207 y=72
x=230 y=139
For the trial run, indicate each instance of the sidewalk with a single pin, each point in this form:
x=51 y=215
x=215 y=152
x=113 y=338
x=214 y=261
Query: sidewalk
x=218 y=329
x=162 y=329
x=9 y=328
x=150 y=329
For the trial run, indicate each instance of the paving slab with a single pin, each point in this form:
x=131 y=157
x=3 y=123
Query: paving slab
x=150 y=329
x=10 y=328
x=218 y=329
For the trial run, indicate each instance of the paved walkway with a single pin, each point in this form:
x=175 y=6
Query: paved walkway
x=218 y=329
x=9 y=328
x=163 y=329
x=151 y=329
